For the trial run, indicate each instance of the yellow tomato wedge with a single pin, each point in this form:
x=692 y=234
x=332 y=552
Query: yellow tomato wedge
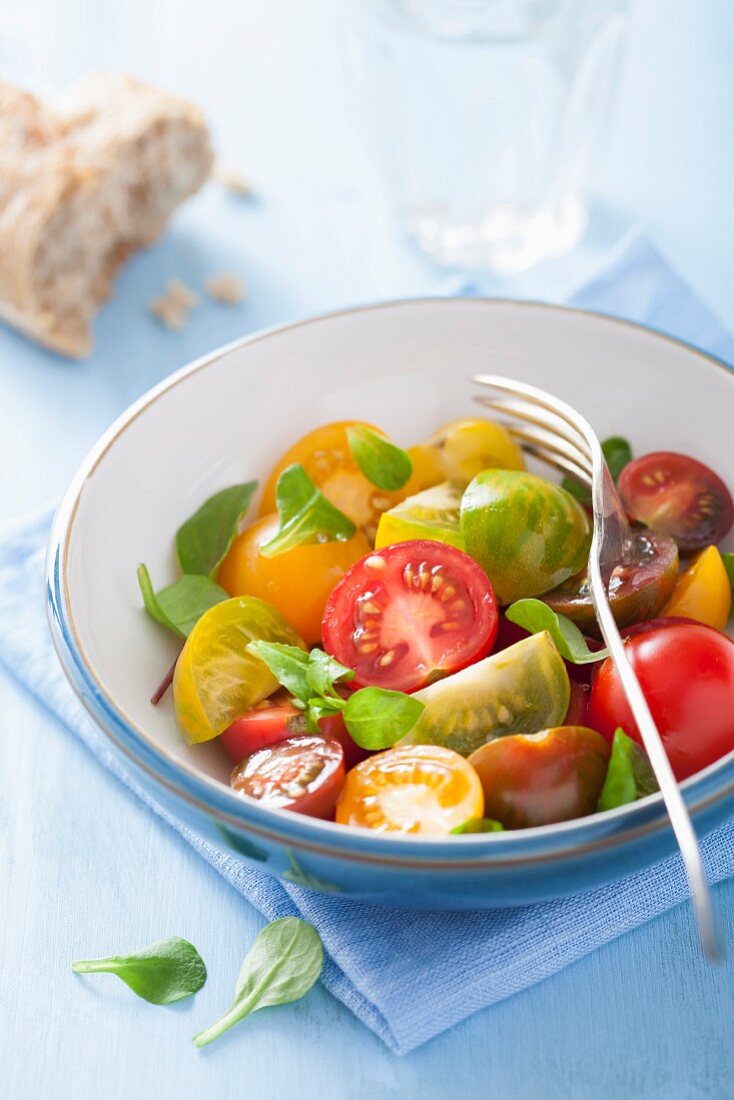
x=297 y=582
x=423 y=789
x=216 y=679
x=427 y=466
x=469 y=446
x=703 y=591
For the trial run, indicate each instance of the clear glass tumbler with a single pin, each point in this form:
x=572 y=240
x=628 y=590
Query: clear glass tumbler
x=491 y=114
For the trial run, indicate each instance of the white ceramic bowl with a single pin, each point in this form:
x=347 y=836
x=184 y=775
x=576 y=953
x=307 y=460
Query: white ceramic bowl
x=226 y=418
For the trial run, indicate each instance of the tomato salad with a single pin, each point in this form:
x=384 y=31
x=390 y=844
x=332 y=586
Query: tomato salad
x=404 y=640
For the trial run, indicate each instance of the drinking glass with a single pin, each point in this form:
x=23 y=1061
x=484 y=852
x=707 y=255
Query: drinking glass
x=491 y=115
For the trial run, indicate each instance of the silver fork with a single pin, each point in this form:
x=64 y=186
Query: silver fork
x=559 y=436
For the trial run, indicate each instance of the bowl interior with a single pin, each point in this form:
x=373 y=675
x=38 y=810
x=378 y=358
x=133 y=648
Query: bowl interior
x=403 y=366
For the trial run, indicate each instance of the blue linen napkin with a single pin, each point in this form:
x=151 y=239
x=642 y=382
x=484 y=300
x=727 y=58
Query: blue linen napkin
x=408 y=975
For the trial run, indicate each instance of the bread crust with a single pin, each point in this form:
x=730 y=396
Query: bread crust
x=85 y=180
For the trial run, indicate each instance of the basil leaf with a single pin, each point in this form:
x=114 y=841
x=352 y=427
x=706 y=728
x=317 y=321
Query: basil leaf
x=288 y=664
x=180 y=606
x=376 y=718
x=167 y=971
x=618 y=454
x=629 y=774
x=306 y=516
x=301 y=877
x=204 y=539
x=729 y=565
x=323 y=672
x=536 y=616
x=283 y=963
x=479 y=825
x=382 y=462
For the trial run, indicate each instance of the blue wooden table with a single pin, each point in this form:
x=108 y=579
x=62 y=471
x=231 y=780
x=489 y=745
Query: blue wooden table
x=84 y=869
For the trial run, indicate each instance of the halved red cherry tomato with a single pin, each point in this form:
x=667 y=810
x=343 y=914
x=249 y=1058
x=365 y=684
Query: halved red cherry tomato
x=302 y=774
x=409 y=614
x=277 y=720
x=678 y=496
x=686 y=671
x=542 y=778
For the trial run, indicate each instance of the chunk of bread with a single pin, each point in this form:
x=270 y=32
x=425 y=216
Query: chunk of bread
x=85 y=180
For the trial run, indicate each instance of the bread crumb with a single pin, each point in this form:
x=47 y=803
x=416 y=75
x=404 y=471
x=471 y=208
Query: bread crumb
x=232 y=181
x=226 y=288
x=172 y=308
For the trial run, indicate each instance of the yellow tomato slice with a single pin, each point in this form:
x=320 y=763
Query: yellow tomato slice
x=327 y=459
x=216 y=679
x=469 y=446
x=427 y=465
x=423 y=789
x=297 y=582
x=703 y=591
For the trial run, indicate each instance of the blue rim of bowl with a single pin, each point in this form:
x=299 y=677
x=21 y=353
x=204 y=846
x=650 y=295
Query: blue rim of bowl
x=209 y=797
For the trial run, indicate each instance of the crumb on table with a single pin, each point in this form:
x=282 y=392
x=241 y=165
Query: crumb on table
x=172 y=308
x=231 y=180
x=226 y=288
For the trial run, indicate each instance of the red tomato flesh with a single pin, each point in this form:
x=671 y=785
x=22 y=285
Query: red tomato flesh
x=686 y=671
x=277 y=720
x=264 y=725
x=302 y=774
x=678 y=496
x=408 y=614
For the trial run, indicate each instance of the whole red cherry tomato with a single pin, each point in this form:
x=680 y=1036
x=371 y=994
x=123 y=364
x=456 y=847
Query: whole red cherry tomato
x=686 y=671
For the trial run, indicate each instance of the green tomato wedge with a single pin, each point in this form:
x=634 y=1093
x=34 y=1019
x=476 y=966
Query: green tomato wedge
x=528 y=534
x=522 y=689
x=216 y=677
x=432 y=514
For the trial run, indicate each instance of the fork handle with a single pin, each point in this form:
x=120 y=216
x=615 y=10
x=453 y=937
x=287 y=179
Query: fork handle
x=680 y=819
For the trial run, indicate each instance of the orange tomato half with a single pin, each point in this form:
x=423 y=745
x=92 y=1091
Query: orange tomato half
x=297 y=582
x=424 y=789
x=325 y=456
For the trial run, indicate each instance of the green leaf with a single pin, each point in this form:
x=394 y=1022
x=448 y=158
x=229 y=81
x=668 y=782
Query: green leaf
x=729 y=565
x=283 y=963
x=181 y=604
x=288 y=664
x=323 y=672
x=629 y=774
x=536 y=616
x=618 y=454
x=204 y=539
x=479 y=825
x=167 y=971
x=377 y=718
x=306 y=516
x=382 y=462
x=301 y=877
